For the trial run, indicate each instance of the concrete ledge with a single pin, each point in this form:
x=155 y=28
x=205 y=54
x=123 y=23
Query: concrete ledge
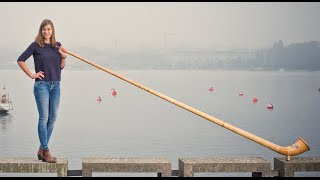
x=296 y=164
x=256 y=165
x=33 y=165
x=125 y=164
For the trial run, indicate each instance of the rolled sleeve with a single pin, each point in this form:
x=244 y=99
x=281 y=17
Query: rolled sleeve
x=27 y=53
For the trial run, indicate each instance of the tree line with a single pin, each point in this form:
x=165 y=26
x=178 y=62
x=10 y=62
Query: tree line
x=296 y=56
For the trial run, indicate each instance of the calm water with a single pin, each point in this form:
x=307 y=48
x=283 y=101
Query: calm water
x=137 y=123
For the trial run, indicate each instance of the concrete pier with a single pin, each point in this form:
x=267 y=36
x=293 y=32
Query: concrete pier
x=256 y=165
x=296 y=164
x=125 y=164
x=33 y=165
x=187 y=166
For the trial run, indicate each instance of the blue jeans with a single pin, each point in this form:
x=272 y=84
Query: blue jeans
x=47 y=96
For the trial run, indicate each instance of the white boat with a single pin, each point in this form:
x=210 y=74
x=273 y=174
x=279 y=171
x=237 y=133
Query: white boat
x=5 y=102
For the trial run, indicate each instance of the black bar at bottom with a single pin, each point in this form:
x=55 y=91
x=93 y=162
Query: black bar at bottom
x=74 y=173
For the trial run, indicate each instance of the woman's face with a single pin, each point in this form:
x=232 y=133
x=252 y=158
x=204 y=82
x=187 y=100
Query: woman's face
x=47 y=32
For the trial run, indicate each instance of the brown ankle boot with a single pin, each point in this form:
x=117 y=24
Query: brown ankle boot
x=39 y=155
x=46 y=156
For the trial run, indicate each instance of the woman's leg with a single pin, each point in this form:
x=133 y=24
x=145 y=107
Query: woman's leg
x=41 y=94
x=54 y=102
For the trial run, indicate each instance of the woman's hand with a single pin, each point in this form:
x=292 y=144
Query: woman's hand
x=39 y=75
x=62 y=52
x=62 y=49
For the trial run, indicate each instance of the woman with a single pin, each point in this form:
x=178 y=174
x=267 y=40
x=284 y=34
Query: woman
x=49 y=59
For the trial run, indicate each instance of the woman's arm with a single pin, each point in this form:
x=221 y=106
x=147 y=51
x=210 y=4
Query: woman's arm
x=25 y=69
x=63 y=62
x=63 y=55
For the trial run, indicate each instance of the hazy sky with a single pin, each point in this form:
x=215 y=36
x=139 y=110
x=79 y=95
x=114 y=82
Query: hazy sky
x=106 y=25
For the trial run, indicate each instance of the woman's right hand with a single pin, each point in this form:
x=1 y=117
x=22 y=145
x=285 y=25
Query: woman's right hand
x=39 y=75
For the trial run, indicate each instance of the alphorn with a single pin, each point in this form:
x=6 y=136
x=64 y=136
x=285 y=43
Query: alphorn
x=298 y=147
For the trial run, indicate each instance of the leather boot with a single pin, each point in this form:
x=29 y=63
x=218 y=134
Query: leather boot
x=46 y=156
x=40 y=157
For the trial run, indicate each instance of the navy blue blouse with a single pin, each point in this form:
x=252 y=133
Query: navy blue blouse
x=46 y=59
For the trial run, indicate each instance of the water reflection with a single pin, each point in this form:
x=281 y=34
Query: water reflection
x=5 y=120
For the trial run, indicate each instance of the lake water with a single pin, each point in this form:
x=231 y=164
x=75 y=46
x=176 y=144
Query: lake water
x=138 y=124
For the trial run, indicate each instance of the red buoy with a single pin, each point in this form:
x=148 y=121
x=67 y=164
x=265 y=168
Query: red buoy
x=114 y=93
x=211 y=89
x=270 y=106
x=254 y=100
x=240 y=93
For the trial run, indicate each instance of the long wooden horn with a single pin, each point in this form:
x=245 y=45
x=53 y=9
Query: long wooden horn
x=298 y=147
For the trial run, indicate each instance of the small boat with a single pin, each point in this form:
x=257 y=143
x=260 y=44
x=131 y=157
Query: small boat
x=5 y=102
x=99 y=99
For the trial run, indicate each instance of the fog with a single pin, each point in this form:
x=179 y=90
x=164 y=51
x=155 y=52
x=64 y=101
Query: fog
x=130 y=26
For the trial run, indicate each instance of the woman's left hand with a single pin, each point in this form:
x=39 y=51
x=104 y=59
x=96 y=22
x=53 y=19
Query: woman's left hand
x=62 y=51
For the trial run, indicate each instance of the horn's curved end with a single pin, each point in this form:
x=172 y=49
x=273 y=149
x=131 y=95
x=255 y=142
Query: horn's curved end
x=302 y=141
x=299 y=147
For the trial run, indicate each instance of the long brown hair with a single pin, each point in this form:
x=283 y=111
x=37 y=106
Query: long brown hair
x=39 y=39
